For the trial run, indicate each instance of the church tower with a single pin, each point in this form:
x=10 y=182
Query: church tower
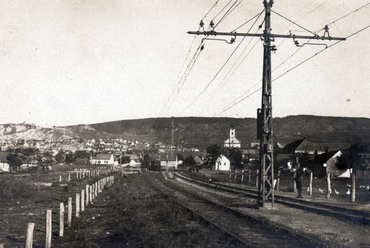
x=232 y=141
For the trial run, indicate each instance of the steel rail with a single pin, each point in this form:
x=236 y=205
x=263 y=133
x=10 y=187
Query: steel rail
x=360 y=217
x=312 y=241
x=239 y=239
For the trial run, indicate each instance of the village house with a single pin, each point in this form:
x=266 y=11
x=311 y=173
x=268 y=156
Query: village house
x=222 y=163
x=4 y=164
x=103 y=159
x=169 y=159
x=329 y=163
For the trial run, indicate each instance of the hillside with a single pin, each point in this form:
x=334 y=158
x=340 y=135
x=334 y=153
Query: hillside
x=200 y=132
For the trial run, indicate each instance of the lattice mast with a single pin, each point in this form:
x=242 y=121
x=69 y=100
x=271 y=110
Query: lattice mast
x=264 y=114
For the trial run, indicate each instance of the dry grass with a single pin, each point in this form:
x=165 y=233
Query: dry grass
x=129 y=213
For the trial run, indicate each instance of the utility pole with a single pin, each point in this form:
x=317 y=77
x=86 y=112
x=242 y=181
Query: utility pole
x=172 y=131
x=171 y=147
x=264 y=114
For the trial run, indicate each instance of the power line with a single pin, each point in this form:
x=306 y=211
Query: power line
x=249 y=21
x=238 y=101
x=293 y=22
x=258 y=15
x=340 y=18
x=182 y=80
x=232 y=8
x=223 y=9
x=224 y=81
x=214 y=5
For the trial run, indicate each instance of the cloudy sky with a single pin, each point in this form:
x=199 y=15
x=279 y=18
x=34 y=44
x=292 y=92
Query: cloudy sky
x=67 y=62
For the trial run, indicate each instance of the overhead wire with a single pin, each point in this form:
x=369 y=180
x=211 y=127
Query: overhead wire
x=340 y=18
x=236 y=101
x=222 y=9
x=176 y=89
x=293 y=22
x=224 y=81
x=299 y=64
x=185 y=75
x=213 y=6
x=231 y=9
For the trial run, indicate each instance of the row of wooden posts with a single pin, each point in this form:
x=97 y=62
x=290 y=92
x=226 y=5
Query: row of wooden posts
x=248 y=173
x=85 y=174
x=83 y=199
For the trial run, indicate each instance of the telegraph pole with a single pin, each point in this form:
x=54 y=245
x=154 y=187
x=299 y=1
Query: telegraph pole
x=264 y=114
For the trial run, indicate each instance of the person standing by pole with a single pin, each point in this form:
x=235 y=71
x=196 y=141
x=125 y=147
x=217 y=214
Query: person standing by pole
x=299 y=172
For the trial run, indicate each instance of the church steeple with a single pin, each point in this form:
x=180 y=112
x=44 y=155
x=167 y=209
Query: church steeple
x=232 y=141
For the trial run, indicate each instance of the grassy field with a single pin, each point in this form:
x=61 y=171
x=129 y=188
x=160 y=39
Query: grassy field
x=130 y=213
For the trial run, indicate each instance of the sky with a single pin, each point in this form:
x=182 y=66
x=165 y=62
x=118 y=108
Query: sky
x=91 y=61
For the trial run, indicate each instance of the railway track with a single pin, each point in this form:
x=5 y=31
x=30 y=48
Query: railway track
x=359 y=217
x=248 y=230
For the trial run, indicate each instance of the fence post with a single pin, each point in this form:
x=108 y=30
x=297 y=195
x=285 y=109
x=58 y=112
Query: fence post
x=249 y=176
x=328 y=188
x=242 y=180
x=69 y=211
x=60 y=178
x=82 y=200
x=257 y=175
x=87 y=194
x=311 y=181
x=91 y=194
x=96 y=189
x=78 y=205
x=278 y=180
x=48 y=229
x=29 y=239
x=353 y=186
x=69 y=177
x=61 y=219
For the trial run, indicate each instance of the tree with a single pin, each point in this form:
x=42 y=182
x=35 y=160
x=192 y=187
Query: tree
x=69 y=157
x=60 y=157
x=353 y=158
x=213 y=152
x=15 y=160
x=29 y=152
x=81 y=154
x=189 y=161
x=48 y=158
x=235 y=156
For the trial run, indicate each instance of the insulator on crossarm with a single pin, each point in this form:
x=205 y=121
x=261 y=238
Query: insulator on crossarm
x=201 y=24
x=211 y=24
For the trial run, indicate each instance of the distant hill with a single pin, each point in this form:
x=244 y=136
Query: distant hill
x=201 y=132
